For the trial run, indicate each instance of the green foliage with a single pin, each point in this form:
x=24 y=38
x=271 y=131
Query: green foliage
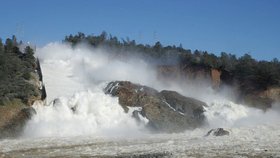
x=228 y=61
x=29 y=52
x=9 y=45
x=15 y=69
x=26 y=76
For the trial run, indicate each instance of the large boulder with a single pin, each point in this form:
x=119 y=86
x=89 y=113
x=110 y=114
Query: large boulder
x=166 y=111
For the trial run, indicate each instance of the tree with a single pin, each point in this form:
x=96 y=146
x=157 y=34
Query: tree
x=228 y=61
x=245 y=73
x=266 y=75
x=210 y=60
x=275 y=61
x=14 y=40
x=103 y=36
x=157 y=46
x=157 y=49
x=1 y=46
x=15 y=69
x=29 y=51
x=29 y=57
x=8 y=45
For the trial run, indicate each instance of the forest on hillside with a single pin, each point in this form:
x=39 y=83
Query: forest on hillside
x=249 y=73
x=15 y=72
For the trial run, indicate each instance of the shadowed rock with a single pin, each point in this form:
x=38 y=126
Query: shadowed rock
x=166 y=111
x=217 y=132
x=15 y=126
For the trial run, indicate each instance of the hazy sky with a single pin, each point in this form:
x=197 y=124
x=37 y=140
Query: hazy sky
x=233 y=26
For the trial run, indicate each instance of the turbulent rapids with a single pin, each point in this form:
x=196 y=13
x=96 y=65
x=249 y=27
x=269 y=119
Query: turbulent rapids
x=81 y=120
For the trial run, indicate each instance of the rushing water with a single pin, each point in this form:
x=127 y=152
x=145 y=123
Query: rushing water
x=256 y=141
x=100 y=128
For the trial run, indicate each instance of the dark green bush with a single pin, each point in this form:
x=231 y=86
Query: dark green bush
x=15 y=70
x=26 y=76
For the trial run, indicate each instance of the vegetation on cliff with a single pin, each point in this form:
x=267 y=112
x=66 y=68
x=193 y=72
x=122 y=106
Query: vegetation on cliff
x=17 y=70
x=20 y=86
x=250 y=74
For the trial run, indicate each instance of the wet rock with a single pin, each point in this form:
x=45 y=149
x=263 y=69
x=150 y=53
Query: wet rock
x=217 y=132
x=74 y=109
x=136 y=114
x=166 y=111
x=56 y=102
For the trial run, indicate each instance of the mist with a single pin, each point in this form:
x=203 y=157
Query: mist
x=76 y=76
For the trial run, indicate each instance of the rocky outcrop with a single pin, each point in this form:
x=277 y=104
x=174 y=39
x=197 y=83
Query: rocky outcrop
x=197 y=73
x=263 y=99
x=257 y=101
x=169 y=72
x=166 y=111
x=14 y=126
x=184 y=73
x=37 y=81
x=216 y=78
x=217 y=132
x=272 y=93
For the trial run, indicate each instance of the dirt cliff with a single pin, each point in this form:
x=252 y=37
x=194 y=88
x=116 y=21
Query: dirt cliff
x=198 y=73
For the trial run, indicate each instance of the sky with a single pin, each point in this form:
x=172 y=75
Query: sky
x=232 y=26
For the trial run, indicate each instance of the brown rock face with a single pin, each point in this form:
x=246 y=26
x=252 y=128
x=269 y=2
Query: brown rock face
x=271 y=93
x=263 y=99
x=10 y=111
x=14 y=126
x=171 y=72
x=256 y=101
x=216 y=78
x=167 y=111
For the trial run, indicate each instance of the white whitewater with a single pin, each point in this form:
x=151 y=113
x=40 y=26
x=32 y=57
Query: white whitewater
x=97 y=126
x=69 y=86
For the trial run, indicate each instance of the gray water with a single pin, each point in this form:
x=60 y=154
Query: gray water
x=260 y=141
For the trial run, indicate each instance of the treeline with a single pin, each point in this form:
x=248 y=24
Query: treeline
x=126 y=47
x=249 y=73
x=15 y=72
